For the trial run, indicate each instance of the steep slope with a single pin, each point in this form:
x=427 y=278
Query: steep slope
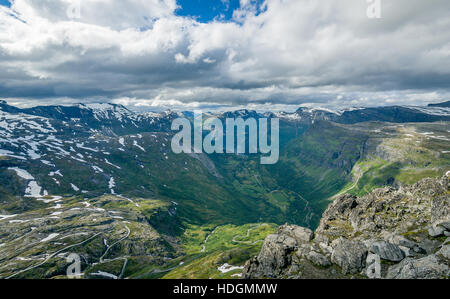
x=389 y=233
x=111 y=234
x=109 y=119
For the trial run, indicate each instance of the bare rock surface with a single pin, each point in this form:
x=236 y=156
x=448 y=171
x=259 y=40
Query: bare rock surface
x=405 y=229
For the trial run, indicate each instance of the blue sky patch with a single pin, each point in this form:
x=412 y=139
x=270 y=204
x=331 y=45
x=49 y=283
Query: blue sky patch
x=201 y=10
x=208 y=10
x=5 y=3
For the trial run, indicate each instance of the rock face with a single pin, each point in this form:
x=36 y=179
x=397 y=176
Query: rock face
x=276 y=252
x=430 y=267
x=301 y=234
x=349 y=255
x=388 y=251
x=318 y=259
x=445 y=251
x=274 y=256
x=390 y=233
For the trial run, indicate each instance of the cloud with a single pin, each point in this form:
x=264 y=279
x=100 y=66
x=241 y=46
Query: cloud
x=277 y=52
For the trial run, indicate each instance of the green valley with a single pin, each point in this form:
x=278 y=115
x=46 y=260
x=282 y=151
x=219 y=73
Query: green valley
x=131 y=208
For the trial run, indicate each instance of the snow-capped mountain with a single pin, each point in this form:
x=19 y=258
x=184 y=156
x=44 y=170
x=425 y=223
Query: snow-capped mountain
x=395 y=114
x=32 y=132
x=110 y=119
x=101 y=172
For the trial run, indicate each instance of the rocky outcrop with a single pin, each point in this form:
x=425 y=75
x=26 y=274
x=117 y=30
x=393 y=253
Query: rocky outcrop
x=349 y=255
x=429 y=267
x=275 y=254
x=396 y=233
x=388 y=251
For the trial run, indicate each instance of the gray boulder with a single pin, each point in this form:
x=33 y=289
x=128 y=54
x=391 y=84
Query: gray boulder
x=318 y=259
x=300 y=234
x=445 y=251
x=388 y=251
x=408 y=251
x=419 y=250
x=440 y=207
x=445 y=225
x=402 y=241
x=428 y=267
x=274 y=257
x=349 y=255
x=436 y=231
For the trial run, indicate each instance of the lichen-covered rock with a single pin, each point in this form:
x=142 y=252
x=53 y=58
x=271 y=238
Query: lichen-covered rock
x=445 y=225
x=440 y=209
x=275 y=256
x=318 y=259
x=349 y=255
x=436 y=231
x=388 y=251
x=300 y=234
x=445 y=251
x=429 y=267
x=402 y=241
x=389 y=223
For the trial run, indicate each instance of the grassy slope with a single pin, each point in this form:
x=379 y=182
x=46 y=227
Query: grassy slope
x=405 y=157
x=214 y=247
x=312 y=168
x=317 y=165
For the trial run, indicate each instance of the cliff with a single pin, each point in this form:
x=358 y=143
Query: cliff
x=396 y=233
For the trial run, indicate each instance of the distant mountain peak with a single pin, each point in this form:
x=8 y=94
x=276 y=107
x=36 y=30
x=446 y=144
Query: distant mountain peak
x=444 y=104
x=103 y=106
x=316 y=109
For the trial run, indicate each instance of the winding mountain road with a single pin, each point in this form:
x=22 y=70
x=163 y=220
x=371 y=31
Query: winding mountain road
x=248 y=235
x=53 y=255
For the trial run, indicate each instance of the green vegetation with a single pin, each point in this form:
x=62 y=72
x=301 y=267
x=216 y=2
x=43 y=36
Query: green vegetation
x=179 y=216
x=228 y=244
x=407 y=158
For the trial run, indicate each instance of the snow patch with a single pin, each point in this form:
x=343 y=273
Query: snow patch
x=10 y=154
x=112 y=185
x=138 y=146
x=53 y=173
x=48 y=163
x=109 y=163
x=33 y=190
x=75 y=188
x=49 y=238
x=122 y=141
x=97 y=169
x=22 y=173
x=3 y=217
x=225 y=268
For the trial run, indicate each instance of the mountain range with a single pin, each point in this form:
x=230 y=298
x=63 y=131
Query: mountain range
x=102 y=181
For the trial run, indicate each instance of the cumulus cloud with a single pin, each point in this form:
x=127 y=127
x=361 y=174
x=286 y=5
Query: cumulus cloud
x=274 y=53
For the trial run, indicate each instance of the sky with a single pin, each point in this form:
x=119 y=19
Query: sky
x=206 y=11
x=224 y=54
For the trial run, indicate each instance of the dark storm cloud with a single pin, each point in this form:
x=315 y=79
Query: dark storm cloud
x=325 y=52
